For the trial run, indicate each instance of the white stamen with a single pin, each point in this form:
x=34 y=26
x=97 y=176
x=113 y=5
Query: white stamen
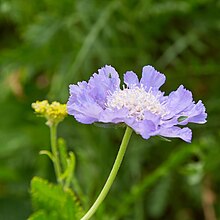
x=136 y=100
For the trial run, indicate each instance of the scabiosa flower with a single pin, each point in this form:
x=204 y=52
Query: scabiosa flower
x=139 y=104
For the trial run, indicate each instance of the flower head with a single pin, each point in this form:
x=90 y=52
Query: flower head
x=139 y=103
x=54 y=112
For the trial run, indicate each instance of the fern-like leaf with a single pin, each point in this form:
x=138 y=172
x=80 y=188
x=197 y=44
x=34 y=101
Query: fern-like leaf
x=53 y=203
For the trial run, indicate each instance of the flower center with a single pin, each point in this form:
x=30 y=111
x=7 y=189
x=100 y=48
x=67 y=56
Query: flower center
x=136 y=100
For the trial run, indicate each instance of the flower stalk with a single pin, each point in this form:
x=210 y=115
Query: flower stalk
x=112 y=175
x=54 y=113
x=54 y=149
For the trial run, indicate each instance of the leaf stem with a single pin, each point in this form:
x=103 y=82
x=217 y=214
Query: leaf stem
x=112 y=175
x=56 y=160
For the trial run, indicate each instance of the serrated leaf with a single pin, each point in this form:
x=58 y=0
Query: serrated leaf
x=39 y=215
x=54 y=201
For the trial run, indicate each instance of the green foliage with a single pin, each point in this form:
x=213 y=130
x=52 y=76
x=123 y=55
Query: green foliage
x=68 y=162
x=41 y=215
x=52 y=202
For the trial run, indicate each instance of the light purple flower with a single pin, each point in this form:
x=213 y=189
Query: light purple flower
x=139 y=104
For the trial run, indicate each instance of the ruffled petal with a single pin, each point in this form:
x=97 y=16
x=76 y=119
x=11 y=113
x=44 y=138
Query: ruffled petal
x=102 y=84
x=131 y=79
x=75 y=90
x=152 y=117
x=84 y=118
x=197 y=114
x=183 y=133
x=151 y=78
x=146 y=128
x=82 y=105
x=113 y=116
x=178 y=101
x=84 y=110
x=170 y=123
x=107 y=78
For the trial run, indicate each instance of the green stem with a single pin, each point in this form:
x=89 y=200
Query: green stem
x=112 y=175
x=56 y=160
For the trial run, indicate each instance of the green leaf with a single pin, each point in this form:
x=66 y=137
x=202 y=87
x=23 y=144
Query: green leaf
x=182 y=118
x=48 y=153
x=40 y=215
x=53 y=201
x=70 y=169
x=164 y=139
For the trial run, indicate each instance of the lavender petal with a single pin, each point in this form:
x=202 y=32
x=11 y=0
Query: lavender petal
x=151 y=78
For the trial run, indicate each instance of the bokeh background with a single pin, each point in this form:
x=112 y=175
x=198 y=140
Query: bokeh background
x=47 y=44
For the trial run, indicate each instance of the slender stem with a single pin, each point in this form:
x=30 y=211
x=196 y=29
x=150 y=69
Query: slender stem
x=56 y=160
x=112 y=175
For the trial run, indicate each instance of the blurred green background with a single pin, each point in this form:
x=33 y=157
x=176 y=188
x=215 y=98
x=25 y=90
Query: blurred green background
x=48 y=44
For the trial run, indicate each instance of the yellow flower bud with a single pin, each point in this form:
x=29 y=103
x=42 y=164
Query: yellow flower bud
x=54 y=113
